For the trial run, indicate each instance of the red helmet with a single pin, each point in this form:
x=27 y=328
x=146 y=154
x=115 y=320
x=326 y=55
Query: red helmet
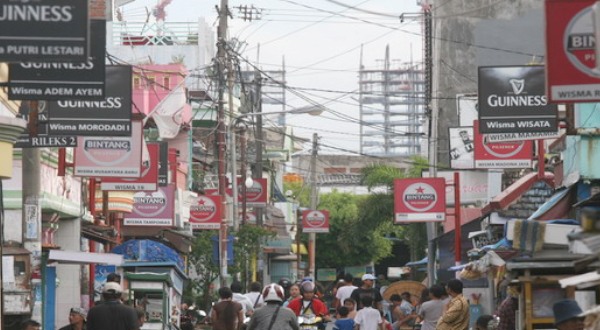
x=273 y=292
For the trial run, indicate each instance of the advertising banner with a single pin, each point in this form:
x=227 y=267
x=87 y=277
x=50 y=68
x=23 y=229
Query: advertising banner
x=62 y=80
x=205 y=212
x=515 y=154
x=110 y=116
x=513 y=99
x=474 y=186
x=256 y=196
x=419 y=200
x=315 y=221
x=110 y=156
x=572 y=70
x=147 y=181
x=152 y=208
x=44 y=30
x=461 y=147
x=42 y=139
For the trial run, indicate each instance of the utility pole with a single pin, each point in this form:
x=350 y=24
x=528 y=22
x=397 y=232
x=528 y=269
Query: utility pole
x=258 y=167
x=314 y=199
x=221 y=132
x=432 y=111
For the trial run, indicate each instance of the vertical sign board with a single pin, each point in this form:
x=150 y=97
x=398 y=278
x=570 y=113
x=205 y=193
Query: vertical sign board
x=205 y=212
x=515 y=154
x=152 y=208
x=419 y=200
x=512 y=99
x=163 y=164
x=572 y=69
x=147 y=181
x=110 y=156
x=110 y=116
x=44 y=30
x=62 y=81
x=461 y=147
x=315 y=221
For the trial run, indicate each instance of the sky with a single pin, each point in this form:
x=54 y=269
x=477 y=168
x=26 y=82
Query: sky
x=320 y=42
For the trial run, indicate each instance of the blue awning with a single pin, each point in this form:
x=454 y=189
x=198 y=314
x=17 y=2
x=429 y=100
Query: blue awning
x=417 y=263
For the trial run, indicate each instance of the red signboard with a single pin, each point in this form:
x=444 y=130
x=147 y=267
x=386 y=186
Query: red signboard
x=572 y=74
x=255 y=195
x=419 y=200
x=314 y=221
x=152 y=208
x=148 y=180
x=205 y=212
x=513 y=154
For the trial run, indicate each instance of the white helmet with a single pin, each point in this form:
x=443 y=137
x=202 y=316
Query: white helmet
x=273 y=292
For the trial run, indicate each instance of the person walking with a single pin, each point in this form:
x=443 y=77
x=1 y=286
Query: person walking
x=568 y=315
x=112 y=314
x=368 y=318
x=508 y=308
x=344 y=291
x=77 y=319
x=456 y=313
x=367 y=289
x=431 y=310
x=247 y=305
x=255 y=295
x=294 y=294
x=226 y=314
x=272 y=316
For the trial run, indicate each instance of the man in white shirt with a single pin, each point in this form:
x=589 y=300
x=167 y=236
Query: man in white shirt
x=255 y=295
x=344 y=291
x=247 y=306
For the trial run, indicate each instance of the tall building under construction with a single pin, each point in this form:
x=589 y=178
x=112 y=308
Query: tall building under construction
x=392 y=108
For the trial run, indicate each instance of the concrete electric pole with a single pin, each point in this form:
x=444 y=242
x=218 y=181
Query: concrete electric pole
x=314 y=200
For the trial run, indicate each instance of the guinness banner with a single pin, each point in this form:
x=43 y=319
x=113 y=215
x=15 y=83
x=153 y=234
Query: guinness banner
x=513 y=99
x=44 y=30
x=62 y=81
x=110 y=116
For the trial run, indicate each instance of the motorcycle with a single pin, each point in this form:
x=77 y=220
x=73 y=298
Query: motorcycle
x=310 y=322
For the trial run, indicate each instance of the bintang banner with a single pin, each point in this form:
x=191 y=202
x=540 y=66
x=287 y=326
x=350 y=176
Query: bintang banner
x=315 y=221
x=205 y=212
x=110 y=156
x=44 y=30
x=110 y=116
x=60 y=80
x=516 y=154
x=573 y=74
x=152 y=208
x=512 y=99
x=419 y=200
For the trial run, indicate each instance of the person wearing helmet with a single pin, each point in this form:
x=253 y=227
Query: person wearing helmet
x=272 y=316
x=285 y=284
x=309 y=305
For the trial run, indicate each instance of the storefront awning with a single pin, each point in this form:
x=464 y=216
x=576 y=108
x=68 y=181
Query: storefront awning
x=84 y=258
x=303 y=249
x=581 y=281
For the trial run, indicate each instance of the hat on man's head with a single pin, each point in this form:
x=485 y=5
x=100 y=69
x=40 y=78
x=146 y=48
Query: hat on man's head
x=112 y=287
x=307 y=286
x=565 y=310
x=80 y=311
x=368 y=277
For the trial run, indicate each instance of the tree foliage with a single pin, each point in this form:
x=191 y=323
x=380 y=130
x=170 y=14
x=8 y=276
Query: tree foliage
x=201 y=264
x=249 y=239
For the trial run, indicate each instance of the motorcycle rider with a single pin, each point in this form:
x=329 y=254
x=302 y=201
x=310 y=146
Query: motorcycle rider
x=272 y=316
x=309 y=305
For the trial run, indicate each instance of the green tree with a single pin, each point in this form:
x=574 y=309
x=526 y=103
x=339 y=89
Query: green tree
x=201 y=264
x=248 y=241
x=378 y=208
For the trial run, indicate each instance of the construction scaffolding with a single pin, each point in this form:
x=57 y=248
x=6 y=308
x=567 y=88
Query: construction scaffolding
x=392 y=108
